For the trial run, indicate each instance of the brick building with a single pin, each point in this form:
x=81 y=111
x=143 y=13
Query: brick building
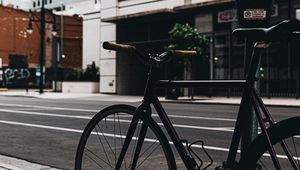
x=16 y=41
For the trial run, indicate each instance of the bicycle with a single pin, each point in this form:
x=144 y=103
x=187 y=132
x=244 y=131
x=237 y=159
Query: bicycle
x=126 y=137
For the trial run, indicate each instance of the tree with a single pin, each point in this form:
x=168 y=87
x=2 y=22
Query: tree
x=185 y=37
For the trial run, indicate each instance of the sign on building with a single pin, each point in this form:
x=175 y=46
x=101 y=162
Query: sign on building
x=298 y=14
x=227 y=16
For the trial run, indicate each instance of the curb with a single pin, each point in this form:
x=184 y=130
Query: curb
x=201 y=101
x=11 y=163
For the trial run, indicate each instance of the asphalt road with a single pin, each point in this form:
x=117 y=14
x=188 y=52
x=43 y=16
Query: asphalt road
x=47 y=131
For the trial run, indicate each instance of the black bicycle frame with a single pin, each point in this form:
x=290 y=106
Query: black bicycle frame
x=249 y=93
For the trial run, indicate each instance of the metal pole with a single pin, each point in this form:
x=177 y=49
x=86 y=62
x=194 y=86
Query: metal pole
x=212 y=54
x=62 y=29
x=55 y=65
x=42 y=48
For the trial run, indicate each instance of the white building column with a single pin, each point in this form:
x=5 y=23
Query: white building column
x=91 y=39
x=108 y=58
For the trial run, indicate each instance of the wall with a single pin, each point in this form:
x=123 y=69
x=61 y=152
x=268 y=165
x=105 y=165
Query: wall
x=108 y=58
x=14 y=37
x=91 y=39
x=72 y=41
x=136 y=6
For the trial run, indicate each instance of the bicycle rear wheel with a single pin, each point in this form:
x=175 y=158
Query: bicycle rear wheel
x=257 y=156
x=103 y=139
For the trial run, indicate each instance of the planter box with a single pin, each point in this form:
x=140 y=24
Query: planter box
x=80 y=87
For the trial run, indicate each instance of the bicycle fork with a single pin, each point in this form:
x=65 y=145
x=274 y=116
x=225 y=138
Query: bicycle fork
x=146 y=111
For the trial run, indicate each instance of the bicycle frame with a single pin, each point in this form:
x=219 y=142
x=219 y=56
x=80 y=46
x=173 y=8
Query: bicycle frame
x=249 y=94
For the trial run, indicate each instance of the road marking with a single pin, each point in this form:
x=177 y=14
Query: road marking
x=48 y=107
x=223 y=129
x=96 y=111
x=114 y=135
x=199 y=117
x=40 y=126
x=44 y=114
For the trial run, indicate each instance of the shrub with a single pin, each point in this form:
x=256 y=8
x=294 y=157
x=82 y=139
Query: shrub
x=91 y=73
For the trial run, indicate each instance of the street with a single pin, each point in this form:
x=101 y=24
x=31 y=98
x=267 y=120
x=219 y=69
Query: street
x=47 y=131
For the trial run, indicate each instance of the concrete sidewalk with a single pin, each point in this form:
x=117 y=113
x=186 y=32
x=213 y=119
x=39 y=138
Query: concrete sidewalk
x=285 y=102
x=10 y=163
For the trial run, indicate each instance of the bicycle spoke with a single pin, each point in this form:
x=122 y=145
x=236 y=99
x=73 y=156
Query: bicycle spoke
x=115 y=140
x=121 y=135
x=263 y=164
x=297 y=157
x=107 y=141
x=96 y=162
x=96 y=157
x=148 y=156
x=149 y=147
x=98 y=137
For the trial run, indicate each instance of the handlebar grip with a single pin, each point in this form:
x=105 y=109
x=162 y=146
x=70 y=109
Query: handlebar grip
x=184 y=53
x=118 y=47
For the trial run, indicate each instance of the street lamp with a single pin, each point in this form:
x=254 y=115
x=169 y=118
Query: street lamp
x=41 y=20
x=60 y=52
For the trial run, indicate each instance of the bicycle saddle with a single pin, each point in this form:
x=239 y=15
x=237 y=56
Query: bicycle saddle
x=277 y=32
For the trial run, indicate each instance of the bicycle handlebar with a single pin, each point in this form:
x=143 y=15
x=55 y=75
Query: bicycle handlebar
x=132 y=49
x=184 y=53
x=118 y=47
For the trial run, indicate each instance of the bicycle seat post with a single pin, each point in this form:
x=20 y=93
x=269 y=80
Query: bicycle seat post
x=252 y=61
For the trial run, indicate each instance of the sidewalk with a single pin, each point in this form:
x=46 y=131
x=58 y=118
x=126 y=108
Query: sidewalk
x=285 y=102
x=9 y=163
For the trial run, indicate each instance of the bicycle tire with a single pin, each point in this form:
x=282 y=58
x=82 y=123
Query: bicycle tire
x=165 y=158
x=285 y=130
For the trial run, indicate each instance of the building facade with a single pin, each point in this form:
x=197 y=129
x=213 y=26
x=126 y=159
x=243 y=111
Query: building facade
x=17 y=43
x=146 y=24
x=89 y=10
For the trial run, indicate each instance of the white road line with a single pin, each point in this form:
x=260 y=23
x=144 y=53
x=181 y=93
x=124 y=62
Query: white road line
x=114 y=135
x=199 y=117
x=40 y=126
x=96 y=111
x=44 y=114
x=48 y=107
x=104 y=134
x=223 y=129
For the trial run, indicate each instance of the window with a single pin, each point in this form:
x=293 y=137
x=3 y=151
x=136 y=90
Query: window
x=38 y=3
x=50 y=1
x=34 y=4
x=46 y=2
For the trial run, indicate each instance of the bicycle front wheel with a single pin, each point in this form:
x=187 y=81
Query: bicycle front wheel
x=104 y=136
x=286 y=131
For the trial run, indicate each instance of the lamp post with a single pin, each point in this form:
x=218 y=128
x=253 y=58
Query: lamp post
x=60 y=53
x=42 y=22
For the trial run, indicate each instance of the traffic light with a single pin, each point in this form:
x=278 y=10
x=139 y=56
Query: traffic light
x=261 y=72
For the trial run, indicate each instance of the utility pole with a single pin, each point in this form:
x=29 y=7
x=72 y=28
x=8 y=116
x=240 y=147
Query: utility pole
x=62 y=29
x=42 y=48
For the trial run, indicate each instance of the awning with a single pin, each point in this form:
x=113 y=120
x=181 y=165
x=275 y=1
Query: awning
x=141 y=15
x=208 y=3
